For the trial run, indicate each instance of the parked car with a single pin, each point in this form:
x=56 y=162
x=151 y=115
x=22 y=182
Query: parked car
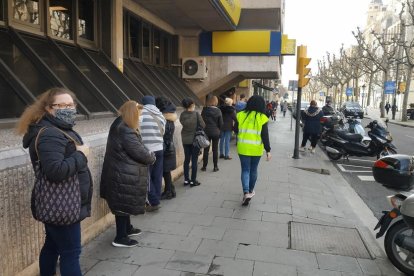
x=303 y=106
x=352 y=109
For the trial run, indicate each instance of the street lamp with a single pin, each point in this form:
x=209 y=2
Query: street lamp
x=363 y=98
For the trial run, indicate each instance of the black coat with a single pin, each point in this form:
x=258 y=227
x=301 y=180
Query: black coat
x=213 y=119
x=59 y=158
x=311 y=118
x=229 y=117
x=170 y=160
x=124 y=177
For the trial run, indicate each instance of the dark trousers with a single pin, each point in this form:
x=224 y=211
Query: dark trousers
x=63 y=242
x=167 y=181
x=155 y=170
x=123 y=225
x=313 y=138
x=190 y=154
x=214 y=143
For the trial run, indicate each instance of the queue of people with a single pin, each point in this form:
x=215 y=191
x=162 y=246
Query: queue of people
x=140 y=152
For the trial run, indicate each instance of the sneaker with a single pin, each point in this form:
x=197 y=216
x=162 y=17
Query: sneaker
x=194 y=183
x=216 y=169
x=312 y=150
x=252 y=194
x=124 y=242
x=151 y=208
x=186 y=182
x=302 y=149
x=221 y=156
x=203 y=169
x=134 y=232
x=227 y=158
x=246 y=199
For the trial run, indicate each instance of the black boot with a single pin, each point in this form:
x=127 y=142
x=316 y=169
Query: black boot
x=173 y=193
x=166 y=195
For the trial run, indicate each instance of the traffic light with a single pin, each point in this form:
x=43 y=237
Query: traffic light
x=302 y=62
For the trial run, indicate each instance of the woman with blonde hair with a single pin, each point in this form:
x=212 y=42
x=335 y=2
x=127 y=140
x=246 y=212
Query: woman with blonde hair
x=214 y=120
x=58 y=154
x=124 y=177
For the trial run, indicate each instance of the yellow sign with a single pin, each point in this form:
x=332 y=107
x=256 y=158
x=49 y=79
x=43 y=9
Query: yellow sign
x=233 y=9
x=241 y=42
x=288 y=46
x=244 y=83
x=401 y=87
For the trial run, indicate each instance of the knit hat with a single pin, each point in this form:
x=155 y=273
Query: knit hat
x=148 y=100
x=228 y=101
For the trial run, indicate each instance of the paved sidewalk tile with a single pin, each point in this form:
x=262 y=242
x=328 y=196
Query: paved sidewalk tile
x=231 y=267
x=338 y=263
x=155 y=271
x=107 y=268
x=270 y=269
x=217 y=248
x=207 y=232
x=183 y=261
x=241 y=236
x=317 y=272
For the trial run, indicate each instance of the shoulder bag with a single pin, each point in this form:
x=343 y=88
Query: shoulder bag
x=57 y=203
x=201 y=140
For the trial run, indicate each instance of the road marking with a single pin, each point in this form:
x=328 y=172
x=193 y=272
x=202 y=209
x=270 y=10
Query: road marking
x=341 y=167
x=366 y=178
x=363 y=160
x=410 y=136
x=356 y=166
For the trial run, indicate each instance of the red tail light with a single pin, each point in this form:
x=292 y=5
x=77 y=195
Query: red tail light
x=381 y=164
x=323 y=120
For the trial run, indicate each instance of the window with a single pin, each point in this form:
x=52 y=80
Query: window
x=86 y=19
x=61 y=13
x=26 y=11
x=146 y=44
x=135 y=38
x=157 y=47
x=2 y=10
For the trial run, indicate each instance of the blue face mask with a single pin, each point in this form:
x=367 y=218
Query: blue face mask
x=67 y=115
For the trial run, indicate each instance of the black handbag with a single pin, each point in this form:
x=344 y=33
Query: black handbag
x=57 y=203
x=201 y=140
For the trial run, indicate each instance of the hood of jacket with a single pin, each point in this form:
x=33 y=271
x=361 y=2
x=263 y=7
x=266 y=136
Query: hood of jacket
x=170 y=116
x=227 y=109
x=312 y=111
x=153 y=109
x=211 y=111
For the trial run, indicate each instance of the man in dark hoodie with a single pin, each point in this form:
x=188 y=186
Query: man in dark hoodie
x=214 y=121
x=312 y=126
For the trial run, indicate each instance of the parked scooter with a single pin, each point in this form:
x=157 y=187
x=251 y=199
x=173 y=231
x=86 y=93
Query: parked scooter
x=396 y=172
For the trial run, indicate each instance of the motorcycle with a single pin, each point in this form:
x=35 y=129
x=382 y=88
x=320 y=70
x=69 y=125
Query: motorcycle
x=341 y=143
x=396 y=172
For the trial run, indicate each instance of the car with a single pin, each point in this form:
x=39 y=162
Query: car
x=303 y=106
x=352 y=109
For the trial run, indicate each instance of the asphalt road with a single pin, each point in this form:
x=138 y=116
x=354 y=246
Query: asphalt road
x=357 y=171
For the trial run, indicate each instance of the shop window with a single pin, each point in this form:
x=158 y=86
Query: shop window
x=157 y=47
x=146 y=43
x=25 y=10
x=60 y=13
x=134 y=37
x=86 y=21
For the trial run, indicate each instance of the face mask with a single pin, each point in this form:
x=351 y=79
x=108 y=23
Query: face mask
x=67 y=115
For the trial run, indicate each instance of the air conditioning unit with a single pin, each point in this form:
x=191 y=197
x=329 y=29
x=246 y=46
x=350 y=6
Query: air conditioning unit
x=194 y=68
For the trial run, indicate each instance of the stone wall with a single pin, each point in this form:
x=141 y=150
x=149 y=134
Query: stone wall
x=21 y=237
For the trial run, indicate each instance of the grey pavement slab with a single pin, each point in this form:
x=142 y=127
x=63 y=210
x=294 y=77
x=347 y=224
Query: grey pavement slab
x=206 y=231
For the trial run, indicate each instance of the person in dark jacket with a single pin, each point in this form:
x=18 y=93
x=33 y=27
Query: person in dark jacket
x=214 y=121
x=54 y=112
x=188 y=120
x=312 y=126
x=124 y=177
x=170 y=161
x=229 y=118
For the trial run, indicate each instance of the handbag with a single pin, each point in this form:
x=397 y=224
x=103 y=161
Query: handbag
x=57 y=203
x=201 y=140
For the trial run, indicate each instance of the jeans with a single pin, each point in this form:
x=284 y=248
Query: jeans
x=214 y=143
x=63 y=242
x=123 y=224
x=249 y=166
x=190 y=153
x=156 y=170
x=313 y=138
x=225 y=142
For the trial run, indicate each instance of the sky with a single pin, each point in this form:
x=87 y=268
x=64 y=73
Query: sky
x=321 y=25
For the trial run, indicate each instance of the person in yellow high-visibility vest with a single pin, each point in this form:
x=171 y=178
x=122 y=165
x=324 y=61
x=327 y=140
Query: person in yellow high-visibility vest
x=252 y=140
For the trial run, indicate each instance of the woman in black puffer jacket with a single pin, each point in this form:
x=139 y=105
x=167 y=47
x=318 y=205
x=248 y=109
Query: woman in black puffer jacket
x=312 y=126
x=124 y=177
x=214 y=120
x=54 y=113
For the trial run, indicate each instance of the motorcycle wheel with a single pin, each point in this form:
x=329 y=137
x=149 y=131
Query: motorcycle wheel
x=399 y=257
x=334 y=156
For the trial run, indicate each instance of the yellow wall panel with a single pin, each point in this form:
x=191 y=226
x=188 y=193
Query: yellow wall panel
x=233 y=9
x=241 y=42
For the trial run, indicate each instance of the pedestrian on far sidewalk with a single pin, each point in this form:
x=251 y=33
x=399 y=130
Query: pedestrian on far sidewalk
x=253 y=138
x=124 y=177
x=387 y=107
x=229 y=118
x=152 y=128
x=170 y=161
x=312 y=126
x=283 y=108
x=214 y=121
x=190 y=120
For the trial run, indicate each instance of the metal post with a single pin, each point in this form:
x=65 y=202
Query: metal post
x=291 y=111
x=297 y=127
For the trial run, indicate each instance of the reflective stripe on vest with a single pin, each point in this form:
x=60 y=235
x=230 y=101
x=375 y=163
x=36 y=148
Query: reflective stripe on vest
x=249 y=140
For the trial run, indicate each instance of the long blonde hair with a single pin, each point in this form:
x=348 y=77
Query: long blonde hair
x=130 y=112
x=34 y=112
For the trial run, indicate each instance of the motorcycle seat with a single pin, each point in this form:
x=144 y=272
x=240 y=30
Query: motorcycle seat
x=352 y=137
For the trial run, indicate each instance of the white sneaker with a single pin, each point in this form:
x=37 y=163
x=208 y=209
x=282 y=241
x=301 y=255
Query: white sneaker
x=302 y=149
x=312 y=150
x=252 y=194
x=246 y=199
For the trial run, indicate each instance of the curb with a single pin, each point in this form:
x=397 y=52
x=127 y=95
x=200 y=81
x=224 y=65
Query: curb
x=395 y=123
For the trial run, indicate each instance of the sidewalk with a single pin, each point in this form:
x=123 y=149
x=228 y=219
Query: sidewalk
x=299 y=223
x=375 y=114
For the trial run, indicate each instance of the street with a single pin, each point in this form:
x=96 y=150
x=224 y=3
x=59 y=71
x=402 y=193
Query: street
x=357 y=171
